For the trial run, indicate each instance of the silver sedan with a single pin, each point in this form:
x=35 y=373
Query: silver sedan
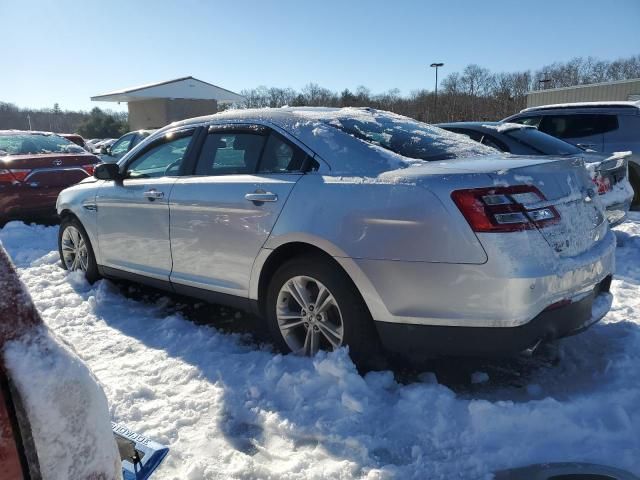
x=351 y=227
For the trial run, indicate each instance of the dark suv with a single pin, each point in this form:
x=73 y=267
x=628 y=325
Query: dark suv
x=601 y=126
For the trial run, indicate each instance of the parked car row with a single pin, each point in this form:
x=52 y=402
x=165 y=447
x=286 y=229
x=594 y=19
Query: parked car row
x=351 y=227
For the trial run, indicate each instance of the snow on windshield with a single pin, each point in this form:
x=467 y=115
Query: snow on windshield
x=398 y=134
x=33 y=144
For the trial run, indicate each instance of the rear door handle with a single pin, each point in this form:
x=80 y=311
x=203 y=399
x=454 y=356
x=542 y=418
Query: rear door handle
x=261 y=197
x=153 y=194
x=586 y=145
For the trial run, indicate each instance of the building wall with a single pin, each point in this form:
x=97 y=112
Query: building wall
x=611 y=91
x=156 y=113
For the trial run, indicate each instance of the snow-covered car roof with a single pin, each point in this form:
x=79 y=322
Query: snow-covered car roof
x=325 y=132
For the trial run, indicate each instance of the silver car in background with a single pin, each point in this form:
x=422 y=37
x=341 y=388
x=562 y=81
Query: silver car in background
x=351 y=227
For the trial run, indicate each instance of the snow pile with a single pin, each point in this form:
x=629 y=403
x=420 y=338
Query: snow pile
x=67 y=409
x=230 y=409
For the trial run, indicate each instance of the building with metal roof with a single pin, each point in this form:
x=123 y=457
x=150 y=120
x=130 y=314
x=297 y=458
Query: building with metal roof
x=158 y=104
x=622 y=90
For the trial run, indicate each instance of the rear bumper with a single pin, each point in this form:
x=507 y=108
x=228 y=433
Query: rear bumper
x=617 y=212
x=520 y=280
x=423 y=341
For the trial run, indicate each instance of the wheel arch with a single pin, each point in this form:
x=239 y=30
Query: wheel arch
x=273 y=259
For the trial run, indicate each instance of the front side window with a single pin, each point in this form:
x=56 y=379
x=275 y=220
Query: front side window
x=228 y=153
x=578 y=126
x=161 y=160
x=33 y=144
x=121 y=146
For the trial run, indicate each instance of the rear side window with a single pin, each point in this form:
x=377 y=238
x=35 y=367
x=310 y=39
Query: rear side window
x=578 y=126
x=228 y=153
x=280 y=156
x=542 y=143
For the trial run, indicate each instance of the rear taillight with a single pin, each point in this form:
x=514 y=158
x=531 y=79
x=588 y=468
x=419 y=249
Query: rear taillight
x=502 y=209
x=89 y=169
x=603 y=184
x=13 y=175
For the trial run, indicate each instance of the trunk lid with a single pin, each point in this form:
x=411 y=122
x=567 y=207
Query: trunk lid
x=564 y=182
x=569 y=189
x=49 y=170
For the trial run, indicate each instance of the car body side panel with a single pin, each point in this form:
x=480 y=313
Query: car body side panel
x=377 y=220
x=216 y=233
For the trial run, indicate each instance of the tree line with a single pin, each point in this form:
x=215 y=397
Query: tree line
x=94 y=124
x=476 y=93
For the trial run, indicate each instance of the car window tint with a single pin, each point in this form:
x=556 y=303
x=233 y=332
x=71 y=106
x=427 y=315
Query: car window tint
x=542 y=143
x=226 y=153
x=121 y=146
x=577 y=126
x=162 y=160
x=281 y=156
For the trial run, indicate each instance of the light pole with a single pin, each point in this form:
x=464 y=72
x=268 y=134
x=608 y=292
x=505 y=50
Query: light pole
x=435 y=106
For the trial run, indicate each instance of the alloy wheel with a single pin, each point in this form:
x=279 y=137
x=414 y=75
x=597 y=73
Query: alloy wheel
x=75 y=254
x=309 y=317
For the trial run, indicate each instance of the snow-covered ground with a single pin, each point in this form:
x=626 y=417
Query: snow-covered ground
x=229 y=408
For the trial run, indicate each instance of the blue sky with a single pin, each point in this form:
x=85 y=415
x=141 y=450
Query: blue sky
x=66 y=51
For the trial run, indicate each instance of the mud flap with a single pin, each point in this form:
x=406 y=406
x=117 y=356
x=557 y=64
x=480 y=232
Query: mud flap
x=140 y=455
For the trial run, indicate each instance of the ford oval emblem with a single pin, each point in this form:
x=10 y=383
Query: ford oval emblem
x=57 y=162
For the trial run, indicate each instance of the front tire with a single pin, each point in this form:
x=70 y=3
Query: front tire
x=75 y=249
x=312 y=305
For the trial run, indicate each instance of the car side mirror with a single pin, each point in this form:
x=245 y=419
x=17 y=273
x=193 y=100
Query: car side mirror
x=105 y=150
x=107 y=171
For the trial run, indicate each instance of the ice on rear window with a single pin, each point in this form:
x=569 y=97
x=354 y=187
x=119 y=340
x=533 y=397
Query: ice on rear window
x=409 y=139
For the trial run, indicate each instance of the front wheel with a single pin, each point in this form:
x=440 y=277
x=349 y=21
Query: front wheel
x=312 y=305
x=75 y=249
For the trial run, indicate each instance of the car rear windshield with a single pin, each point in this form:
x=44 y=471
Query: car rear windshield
x=409 y=138
x=29 y=144
x=541 y=142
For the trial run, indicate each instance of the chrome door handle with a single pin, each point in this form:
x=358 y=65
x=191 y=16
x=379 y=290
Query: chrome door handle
x=261 y=197
x=586 y=145
x=153 y=194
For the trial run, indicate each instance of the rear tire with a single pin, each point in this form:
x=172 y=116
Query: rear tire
x=313 y=305
x=74 y=247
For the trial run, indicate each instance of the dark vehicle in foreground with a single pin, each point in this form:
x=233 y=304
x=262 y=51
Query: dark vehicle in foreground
x=351 y=227
x=605 y=127
x=111 y=153
x=609 y=172
x=54 y=417
x=34 y=168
